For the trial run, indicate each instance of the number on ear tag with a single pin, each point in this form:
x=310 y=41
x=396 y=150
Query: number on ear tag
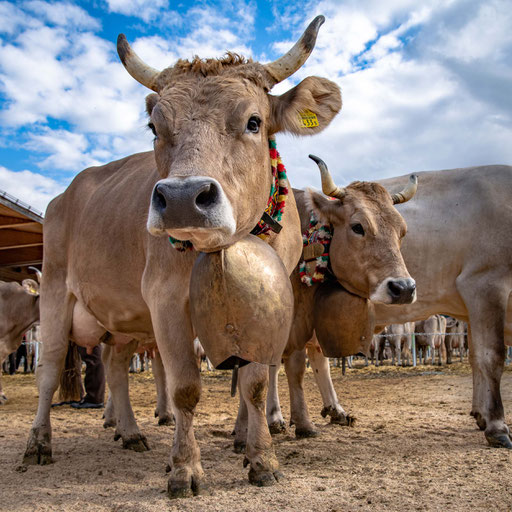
x=308 y=119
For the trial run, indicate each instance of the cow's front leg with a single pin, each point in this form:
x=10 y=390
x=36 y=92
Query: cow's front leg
x=117 y=371
x=322 y=373
x=295 y=366
x=259 y=452
x=56 y=316
x=487 y=312
x=163 y=409
x=275 y=420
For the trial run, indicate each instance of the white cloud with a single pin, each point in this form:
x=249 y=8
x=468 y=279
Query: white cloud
x=147 y=10
x=33 y=188
x=62 y=13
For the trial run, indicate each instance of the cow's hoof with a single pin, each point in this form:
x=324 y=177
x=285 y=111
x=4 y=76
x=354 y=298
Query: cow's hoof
x=239 y=446
x=264 y=478
x=137 y=443
x=177 y=488
x=39 y=451
x=3 y=399
x=338 y=417
x=166 y=420
x=344 y=420
x=277 y=427
x=480 y=420
x=117 y=436
x=499 y=440
x=303 y=433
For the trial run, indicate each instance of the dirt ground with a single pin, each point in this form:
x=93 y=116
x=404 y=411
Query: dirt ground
x=413 y=447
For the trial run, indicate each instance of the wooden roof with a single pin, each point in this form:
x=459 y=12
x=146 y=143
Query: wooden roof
x=21 y=238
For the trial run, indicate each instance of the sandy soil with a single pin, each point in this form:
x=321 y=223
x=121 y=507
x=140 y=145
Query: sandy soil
x=414 y=447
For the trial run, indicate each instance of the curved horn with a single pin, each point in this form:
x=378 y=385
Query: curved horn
x=38 y=273
x=290 y=62
x=144 y=74
x=329 y=188
x=408 y=192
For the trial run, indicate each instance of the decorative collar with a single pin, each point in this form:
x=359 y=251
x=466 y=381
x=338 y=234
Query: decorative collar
x=275 y=206
x=316 y=243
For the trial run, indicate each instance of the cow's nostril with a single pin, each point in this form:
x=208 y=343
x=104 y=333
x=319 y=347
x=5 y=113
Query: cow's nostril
x=208 y=196
x=394 y=289
x=159 y=201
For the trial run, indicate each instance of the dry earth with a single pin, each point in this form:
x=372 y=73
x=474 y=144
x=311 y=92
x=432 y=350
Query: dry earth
x=414 y=447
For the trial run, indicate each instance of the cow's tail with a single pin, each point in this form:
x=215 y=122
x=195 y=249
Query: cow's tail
x=71 y=377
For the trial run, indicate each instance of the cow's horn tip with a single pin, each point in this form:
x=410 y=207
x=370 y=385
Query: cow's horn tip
x=413 y=178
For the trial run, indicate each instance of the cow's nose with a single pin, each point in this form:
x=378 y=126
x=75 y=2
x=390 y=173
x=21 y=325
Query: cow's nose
x=190 y=202
x=196 y=195
x=402 y=291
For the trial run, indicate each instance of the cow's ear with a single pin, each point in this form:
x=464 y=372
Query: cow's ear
x=324 y=208
x=151 y=101
x=30 y=286
x=306 y=109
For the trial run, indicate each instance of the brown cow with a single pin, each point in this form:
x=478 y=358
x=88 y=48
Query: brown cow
x=207 y=182
x=400 y=341
x=19 y=310
x=364 y=257
x=455 y=338
x=430 y=333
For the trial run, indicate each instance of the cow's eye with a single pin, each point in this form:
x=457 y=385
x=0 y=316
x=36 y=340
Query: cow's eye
x=358 y=229
x=151 y=126
x=253 y=125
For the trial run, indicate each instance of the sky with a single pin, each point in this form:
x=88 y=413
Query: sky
x=426 y=84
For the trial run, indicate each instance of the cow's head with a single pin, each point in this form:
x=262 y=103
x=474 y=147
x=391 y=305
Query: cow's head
x=365 y=252
x=212 y=119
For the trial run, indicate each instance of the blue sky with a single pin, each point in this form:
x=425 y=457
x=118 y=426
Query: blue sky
x=426 y=85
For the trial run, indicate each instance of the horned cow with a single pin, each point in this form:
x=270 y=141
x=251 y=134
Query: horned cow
x=206 y=185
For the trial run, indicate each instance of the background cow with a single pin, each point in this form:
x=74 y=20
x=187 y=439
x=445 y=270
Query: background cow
x=365 y=258
x=459 y=250
x=19 y=310
x=455 y=338
x=430 y=333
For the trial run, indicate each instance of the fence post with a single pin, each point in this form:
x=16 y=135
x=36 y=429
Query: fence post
x=413 y=348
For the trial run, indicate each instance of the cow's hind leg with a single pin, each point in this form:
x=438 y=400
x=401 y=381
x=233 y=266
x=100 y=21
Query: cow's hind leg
x=487 y=354
x=4 y=352
x=163 y=409
x=322 y=373
x=56 y=311
x=275 y=420
x=240 y=431
x=259 y=452
x=295 y=366
x=109 y=414
x=117 y=377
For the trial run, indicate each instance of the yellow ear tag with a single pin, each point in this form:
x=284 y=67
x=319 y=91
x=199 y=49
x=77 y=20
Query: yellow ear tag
x=308 y=119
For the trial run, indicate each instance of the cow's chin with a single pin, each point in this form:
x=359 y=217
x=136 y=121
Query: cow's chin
x=204 y=239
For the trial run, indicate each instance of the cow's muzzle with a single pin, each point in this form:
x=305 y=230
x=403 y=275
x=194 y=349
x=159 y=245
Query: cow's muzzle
x=188 y=204
x=395 y=291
